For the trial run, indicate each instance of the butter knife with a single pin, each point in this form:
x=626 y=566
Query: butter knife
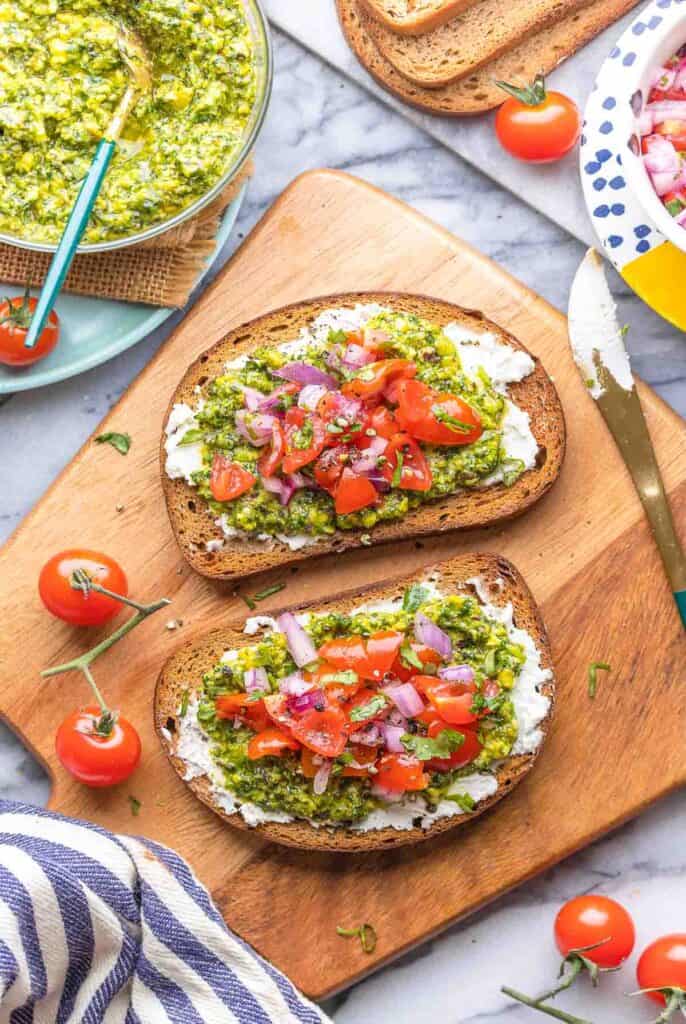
x=598 y=349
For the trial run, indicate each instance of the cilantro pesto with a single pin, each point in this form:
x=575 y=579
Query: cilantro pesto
x=381 y=439
x=61 y=78
x=234 y=720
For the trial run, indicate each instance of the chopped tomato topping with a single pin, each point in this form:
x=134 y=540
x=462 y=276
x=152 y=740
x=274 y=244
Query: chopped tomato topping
x=252 y=713
x=336 y=689
x=407 y=467
x=305 y=438
x=354 y=493
x=229 y=479
x=468 y=752
x=329 y=467
x=371 y=660
x=345 y=418
x=270 y=460
x=453 y=701
x=372 y=379
x=426 y=655
x=400 y=773
x=436 y=417
x=364 y=756
x=361 y=698
x=270 y=743
x=325 y=732
x=383 y=422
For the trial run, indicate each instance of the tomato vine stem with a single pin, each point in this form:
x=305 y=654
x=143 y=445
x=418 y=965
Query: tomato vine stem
x=551 y=1011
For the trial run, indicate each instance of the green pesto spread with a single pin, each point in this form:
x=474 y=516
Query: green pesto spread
x=312 y=512
x=62 y=77
x=277 y=784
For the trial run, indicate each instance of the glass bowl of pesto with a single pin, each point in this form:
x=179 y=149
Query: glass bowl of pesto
x=61 y=77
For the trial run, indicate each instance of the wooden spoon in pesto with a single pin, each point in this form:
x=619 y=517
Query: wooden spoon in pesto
x=137 y=61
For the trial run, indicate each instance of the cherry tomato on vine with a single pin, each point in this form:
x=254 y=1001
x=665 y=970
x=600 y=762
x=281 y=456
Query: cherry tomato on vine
x=536 y=125
x=15 y=318
x=663 y=965
x=587 y=920
x=70 y=603
x=93 y=757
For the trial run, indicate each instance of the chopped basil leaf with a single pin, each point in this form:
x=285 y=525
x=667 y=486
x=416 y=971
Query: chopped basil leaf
x=443 y=416
x=257 y=695
x=347 y=677
x=268 y=591
x=414 y=597
x=191 y=436
x=365 y=933
x=364 y=711
x=675 y=206
x=122 y=442
x=135 y=805
x=249 y=601
x=464 y=801
x=183 y=710
x=409 y=657
x=398 y=471
x=593 y=670
x=337 y=337
x=426 y=748
x=489 y=666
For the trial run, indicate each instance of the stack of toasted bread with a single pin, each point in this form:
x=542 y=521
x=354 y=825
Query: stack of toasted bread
x=446 y=56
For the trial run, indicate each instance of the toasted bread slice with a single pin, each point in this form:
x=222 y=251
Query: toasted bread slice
x=184 y=670
x=414 y=17
x=194 y=528
x=477 y=91
x=476 y=37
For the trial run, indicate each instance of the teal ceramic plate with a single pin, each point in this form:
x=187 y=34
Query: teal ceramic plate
x=95 y=330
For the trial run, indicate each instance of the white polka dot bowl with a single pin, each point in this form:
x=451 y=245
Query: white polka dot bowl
x=639 y=236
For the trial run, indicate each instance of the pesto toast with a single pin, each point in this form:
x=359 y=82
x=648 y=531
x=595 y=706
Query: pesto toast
x=285 y=442
x=359 y=748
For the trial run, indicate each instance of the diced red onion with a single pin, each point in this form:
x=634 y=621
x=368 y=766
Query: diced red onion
x=299 y=644
x=312 y=700
x=294 y=685
x=457 y=674
x=370 y=736
x=661 y=156
x=379 y=480
x=255 y=427
x=646 y=123
x=664 y=182
x=333 y=358
x=282 y=487
x=386 y=795
x=395 y=718
x=356 y=356
x=405 y=698
x=668 y=110
x=303 y=373
x=253 y=397
x=680 y=80
x=376 y=336
x=428 y=633
x=321 y=779
x=392 y=734
x=270 y=403
x=311 y=395
x=255 y=679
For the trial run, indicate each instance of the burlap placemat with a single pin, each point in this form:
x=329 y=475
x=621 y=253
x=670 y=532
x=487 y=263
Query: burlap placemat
x=160 y=272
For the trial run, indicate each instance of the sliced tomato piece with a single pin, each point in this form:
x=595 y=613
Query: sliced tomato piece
x=426 y=656
x=345 y=418
x=354 y=493
x=238 y=705
x=308 y=765
x=305 y=439
x=468 y=752
x=415 y=472
x=453 y=701
x=329 y=467
x=229 y=705
x=346 y=652
x=271 y=743
x=229 y=479
x=365 y=756
x=372 y=379
x=383 y=422
x=401 y=773
x=325 y=732
x=276 y=706
x=271 y=459
x=382 y=650
x=371 y=660
x=436 y=417
x=325 y=675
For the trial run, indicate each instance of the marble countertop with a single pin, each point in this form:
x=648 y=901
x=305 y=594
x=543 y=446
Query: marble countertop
x=320 y=118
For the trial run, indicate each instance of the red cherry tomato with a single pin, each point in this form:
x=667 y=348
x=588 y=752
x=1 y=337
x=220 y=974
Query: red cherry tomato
x=270 y=460
x=324 y=732
x=400 y=773
x=353 y=493
x=238 y=705
x=587 y=920
x=453 y=701
x=372 y=379
x=436 y=417
x=73 y=605
x=415 y=472
x=15 y=318
x=371 y=660
x=229 y=479
x=270 y=743
x=663 y=965
x=538 y=126
x=94 y=759
x=470 y=749
x=383 y=422
x=306 y=436
x=329 y=467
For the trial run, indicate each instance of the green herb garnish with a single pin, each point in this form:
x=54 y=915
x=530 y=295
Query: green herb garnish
x=135 y=805
x=261 y=595
x=372 y=707
x=398 y=471
x=346 y=677
x=409 y=657
x=452 y=422
x=249 y=601
x=414 y=597
x=122 y=442
x=191 y=436
x=183 y=710
x=489 y=666
x=464 y=801
x=593 y=670
x=365 y=933
x=425 y=748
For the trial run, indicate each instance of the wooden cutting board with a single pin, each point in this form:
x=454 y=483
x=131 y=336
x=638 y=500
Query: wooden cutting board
x=585 y=551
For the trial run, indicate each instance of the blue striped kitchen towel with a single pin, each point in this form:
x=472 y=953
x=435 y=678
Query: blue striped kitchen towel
x=97 y=928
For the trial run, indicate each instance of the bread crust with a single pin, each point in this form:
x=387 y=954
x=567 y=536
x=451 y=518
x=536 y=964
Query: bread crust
x=415 y=24
x=193 y=527
x=186 y=666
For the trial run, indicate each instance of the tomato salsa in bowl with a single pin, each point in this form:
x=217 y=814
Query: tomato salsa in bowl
x=61 y=78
